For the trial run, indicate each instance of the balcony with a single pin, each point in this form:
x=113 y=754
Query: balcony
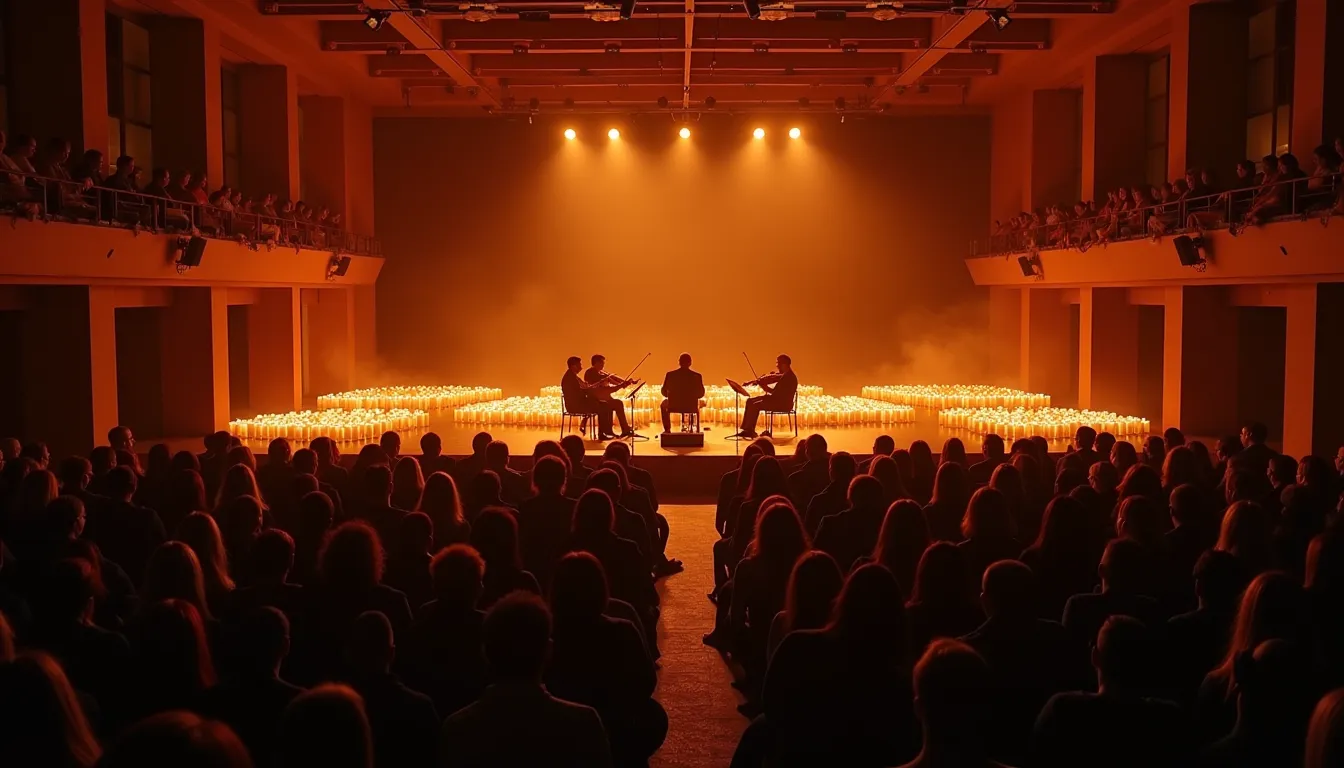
x=1296 y=244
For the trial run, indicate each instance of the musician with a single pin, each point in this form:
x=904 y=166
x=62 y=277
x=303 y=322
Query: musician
x=579 y=400
x=682 y=390
x=780 y=387
x=601 y=385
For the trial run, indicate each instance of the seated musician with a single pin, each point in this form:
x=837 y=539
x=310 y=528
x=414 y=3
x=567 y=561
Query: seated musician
x=600 y=386
x=780 y=387
x=579 y=400
x=682 y=390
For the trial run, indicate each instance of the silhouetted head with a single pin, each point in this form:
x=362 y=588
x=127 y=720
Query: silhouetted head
x=842 y=468
x=369 y=648
x=987 y=515
x=279 y=451
x=1122 y=566
x=390 y=442
x=1254 y=433
x=177 y=738
x=1247 y=533
x=316 y=514
x=480 y=442
x=497 y=455
x=1218 y=581
x=305 y=461
x=1103 y=477
x=992 y=447
x=41 y=720
x=952 y=685
x=1139 y=519
x=940 y=577
x=431 y=444
x=1325 y=732
x=440 y=499
x=1008 y=589
x=883 y=445
x=1122 y=653
x=326 y=726
x=954 y=452
x=593 y=514
x=378 y=483
x=767 y=479
x=457 y=572
x=517 y=638
x=174 y=572
x=352 y=557
x=684 y=361
x=574 y=449
x=813 y=586
x=494 y=534
x=272 y=556
x=578 y=588
x=865 y=492
x=817 y=450
x=120 y=438
x=869 y=614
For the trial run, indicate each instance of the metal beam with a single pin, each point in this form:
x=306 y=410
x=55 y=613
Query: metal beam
x=626 y=47
x=949 y=37
x=689 y=40
x=579 y=64
x=417 y=33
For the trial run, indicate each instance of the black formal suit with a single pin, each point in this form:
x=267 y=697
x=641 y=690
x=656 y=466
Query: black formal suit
x=780 y=398
x=682 y=390
x=579 y=400
x=613 y=406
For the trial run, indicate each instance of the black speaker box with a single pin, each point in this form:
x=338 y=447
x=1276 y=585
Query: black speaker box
x=1188 y=251
x=191 y=255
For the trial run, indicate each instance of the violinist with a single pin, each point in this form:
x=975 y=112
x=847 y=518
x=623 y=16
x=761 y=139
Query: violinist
x=780 y=385
x=600 y=386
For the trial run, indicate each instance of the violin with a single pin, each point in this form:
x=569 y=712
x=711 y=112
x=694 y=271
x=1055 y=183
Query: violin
x=769 y=378
x=604 y=387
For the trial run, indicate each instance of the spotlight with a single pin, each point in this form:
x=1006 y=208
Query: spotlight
x=612 y=47
x=759 y=133
x=662 y=102
x=840 y=103
x=375 y=19
x=710 y=101
x=1001 y=19
x=753 y=8
x=684 y=133
x=534 y=103
x=570 y=134
x=613 y=134
x=794 y=133
x=627 y=9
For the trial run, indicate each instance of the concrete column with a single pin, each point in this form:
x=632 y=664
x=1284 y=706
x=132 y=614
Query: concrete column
x=196 y=362
x=1115 y=146
x=1199 y=395
x=275 y=351
x=69 y=366
x=1328 y=409
x=331 y=339
x=1318 y=76
x=1299 y=370
x=323 y=152
x=1045 y=341
x=269 y=130
x=359 y=168
x=1108 y=352
x=58 y=71
x=1206 y=119
x=185 y=96
x=1005 y=335
x=1056 y=147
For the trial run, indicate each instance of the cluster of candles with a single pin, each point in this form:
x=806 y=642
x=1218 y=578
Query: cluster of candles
x=429 y=398
x=339 y=425
x=942 y=396
x=826 y=411
x=543 y=411
x=1050 y=423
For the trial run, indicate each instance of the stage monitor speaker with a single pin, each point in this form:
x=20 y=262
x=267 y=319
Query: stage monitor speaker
x=682 y=439
x=1028 y=266
x=191 y=255
x=1187 y=249
x=340 y=265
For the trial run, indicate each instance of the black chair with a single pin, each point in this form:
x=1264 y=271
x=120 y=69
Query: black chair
x=569 y=412
x=791 y=415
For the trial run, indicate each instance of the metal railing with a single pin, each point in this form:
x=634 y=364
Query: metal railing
x=1234 y=210
x=52 y=199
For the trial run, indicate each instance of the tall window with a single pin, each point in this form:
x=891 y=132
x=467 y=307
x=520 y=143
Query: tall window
x=1269 y=81
x=4 y=65
x=228 y=79
x=130 y=126
x=1155 y=119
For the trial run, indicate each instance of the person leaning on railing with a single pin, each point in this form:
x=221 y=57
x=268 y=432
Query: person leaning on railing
x=12 y=187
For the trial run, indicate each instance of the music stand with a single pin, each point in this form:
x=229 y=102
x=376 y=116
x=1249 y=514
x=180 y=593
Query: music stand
x=739 y=392
x=634 y=435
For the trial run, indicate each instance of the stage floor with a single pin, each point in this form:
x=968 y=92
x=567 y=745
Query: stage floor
x=457 y=438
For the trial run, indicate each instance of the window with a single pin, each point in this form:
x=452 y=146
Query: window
x=4 y=69
x=228 y=79
x=130 y=121
x=1269 y=81
x=1155 y=120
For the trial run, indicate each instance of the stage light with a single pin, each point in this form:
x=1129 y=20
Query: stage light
x=794 y=133
x=627 y=9
x=1001 y=19
x=753 y=8
x=684 y=133
x=613 y=134
x=375 y=19
x=570 y=134
x=759 y=133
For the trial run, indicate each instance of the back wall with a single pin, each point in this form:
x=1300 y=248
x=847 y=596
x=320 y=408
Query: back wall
x=509 y=248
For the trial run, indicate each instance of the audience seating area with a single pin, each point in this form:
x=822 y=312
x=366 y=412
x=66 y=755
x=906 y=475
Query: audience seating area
x=1175 y=605
x=1274 y=189
x=51 y=186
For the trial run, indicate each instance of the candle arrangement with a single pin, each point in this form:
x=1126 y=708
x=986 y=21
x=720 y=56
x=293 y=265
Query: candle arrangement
x=542 y=411
x=1050 y=423
x=428 y=398
x=942 y=396
x=339 y=425
x=717 y=407
x=824 y=411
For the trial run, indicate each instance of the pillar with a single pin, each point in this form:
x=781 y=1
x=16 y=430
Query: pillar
x=1206 y=120
x=1045 y=355
x=275 y=357
x=1318 y=73
x=330 y=348
x=58 y=71
x=185 y=96
x=69 y=365
x=323 y=152
x=1114 y=144
x=195 y=339
x=1056 y=147
x=1199 y=395
x=1108 y=351
x=1005 y=336
x=268 y=130
x=1328 y=408
x=359 y=168
x=1299 y=370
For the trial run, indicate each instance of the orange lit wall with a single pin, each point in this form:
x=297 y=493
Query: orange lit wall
x=509 y=249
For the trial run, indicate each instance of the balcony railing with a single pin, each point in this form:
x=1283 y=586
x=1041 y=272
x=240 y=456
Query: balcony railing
x=51 y=199
x=1278 y=201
